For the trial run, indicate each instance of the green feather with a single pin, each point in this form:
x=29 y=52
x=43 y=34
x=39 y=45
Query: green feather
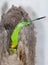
x=14 y=36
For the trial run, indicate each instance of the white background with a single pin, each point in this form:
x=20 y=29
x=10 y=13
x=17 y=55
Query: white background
x=41 y=9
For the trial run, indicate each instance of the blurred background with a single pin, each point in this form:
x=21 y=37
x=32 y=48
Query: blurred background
x=36 y=8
